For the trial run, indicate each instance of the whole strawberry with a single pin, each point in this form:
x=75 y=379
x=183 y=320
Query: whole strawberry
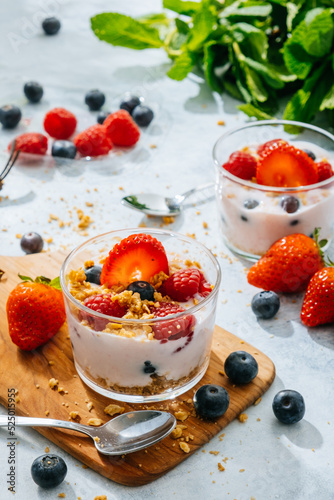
x=288 y=265
x=35 y=312
x=318 y=305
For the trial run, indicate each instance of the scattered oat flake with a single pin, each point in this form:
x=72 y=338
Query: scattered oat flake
x=47 y=449
x=89 y=204
x=182 y=415
x=101 y=497
x=61 y=495
x=257 y=401
x=74 y=414
x=214 y=452
x=96 y=439
x=53 y=383
x=184 y=447
x=205 y=225
x=95 y=422
x=220 y=467
x=220 y=122
x=113 y=409
x=241 y=470
x=242 y=417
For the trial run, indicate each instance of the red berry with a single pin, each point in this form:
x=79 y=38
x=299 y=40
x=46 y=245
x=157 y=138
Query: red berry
x=172 y=329
x=261 y=149
x=204 y=287
x=136 y=258
x=317 y=308
x=93 y=141
x=31 y=142
x=182 y=285
x=60 y=123
x=283 y=165
x=103 y=304
x=121 y=129
x=242 y=165
x=325 y=170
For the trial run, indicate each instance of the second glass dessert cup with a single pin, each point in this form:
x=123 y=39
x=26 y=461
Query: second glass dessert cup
x=252 y=216
x=121 y=358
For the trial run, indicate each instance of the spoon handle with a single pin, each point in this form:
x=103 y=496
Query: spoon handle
x=43 y=422
x=197 y=189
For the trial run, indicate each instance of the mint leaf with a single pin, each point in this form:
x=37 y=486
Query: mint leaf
x=253 y=111
x=249 y=10
x=203 y=24
x=209 y=58
x=182 y=66
x=296 y=59
x=186 y=8
x=181 y=26
x=121 y=30
x=255 y=40
x=318 y=37
x=328 y=100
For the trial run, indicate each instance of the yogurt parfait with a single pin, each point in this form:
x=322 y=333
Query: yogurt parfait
x=141 y=312
x=271 y=183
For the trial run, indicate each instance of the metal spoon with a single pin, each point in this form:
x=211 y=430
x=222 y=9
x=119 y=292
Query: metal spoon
x=155 y=204
x=124 y=434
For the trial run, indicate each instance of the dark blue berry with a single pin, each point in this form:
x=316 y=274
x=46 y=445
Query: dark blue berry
x=142 y=115
x=244 y=218
x=93 y=274
x=129 y=103
x=145 y=289
x=148 y=367
x=211 y=401
x=310 y=154
x=289 y=406
x=290 y=204
x=265 y=304
x=51 y=25
x=102 y=116
x=48 y=470
x=33 y=91
x=95 y=99
x=250 y=204
x=10 y=116
x=64 y=149
x=32 y=242
x=241 y=367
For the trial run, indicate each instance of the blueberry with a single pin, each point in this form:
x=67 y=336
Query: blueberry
x=48 y=470
x=290 y=204
x=211 y=401
x=95 y=99
x=265 y=304
x=33 y=91
x=51 y=25
x=32 y=242
x=310 y=154
x=142 y=115
x=250 y=204
x=145 y=289
x=129 y=103
x=10 y=116
x=288 y=406
x=93 y=274
x=240 y=367
x=148 y=367
x=102 y=116
x=64 y=149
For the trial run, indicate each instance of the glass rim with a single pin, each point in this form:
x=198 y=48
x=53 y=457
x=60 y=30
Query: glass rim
x=126 y=321
x=263 y=187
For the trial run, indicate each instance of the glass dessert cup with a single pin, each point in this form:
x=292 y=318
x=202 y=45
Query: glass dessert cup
x=127 y=363
x=251 y=215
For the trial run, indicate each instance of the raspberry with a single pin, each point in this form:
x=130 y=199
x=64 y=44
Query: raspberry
x=182 y=285
x=261 y=149
x=121 y=129
x=31 y=142
x=204 y=287
x=60 y=123
x=103 y=304
x=325 y=170
x=172 y=329
x=93 y=141
x=242 y=165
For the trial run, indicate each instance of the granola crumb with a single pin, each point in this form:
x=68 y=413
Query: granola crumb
x=214 y=452
x=96 y=439
x=51 y=363
x=53 y=383
x=37 y=386
x=47 y=449
x=221 y=122
x=257 y=401
x=47 y=413
x=95 y=422
x=182 y=415
x=113 y=409
x=220 y=467
x=101 y=497
x=74 y=414
x=205 y=225
x=184 y=447
x=61 y=495
x=241 y=470
x=242 y=417
x=89 y=405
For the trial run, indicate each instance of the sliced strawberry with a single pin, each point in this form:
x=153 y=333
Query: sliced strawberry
x=325 y=170
x=137 y=257
x=242 y=165
x=103 y=304
x=261 y=149
x=283 y=165
x=204 y=287
x=182 y=285
x=172 y=329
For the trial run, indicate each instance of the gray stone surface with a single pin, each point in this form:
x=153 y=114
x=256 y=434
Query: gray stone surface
x=278 y=462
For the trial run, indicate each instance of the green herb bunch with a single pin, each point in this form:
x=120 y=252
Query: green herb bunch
x=257 y=51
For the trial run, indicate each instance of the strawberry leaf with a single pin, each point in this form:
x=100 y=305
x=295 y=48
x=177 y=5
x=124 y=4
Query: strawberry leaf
x=25 y=278
x=55 y=283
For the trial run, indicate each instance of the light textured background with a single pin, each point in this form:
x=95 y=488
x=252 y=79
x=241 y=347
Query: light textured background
x=289 y=463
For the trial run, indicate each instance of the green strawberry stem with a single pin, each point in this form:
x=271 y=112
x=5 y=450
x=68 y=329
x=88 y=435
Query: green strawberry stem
x=322 y=243
x=55 y=283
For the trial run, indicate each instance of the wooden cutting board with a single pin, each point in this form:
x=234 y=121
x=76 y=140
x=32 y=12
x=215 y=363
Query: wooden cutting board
x=25 y=371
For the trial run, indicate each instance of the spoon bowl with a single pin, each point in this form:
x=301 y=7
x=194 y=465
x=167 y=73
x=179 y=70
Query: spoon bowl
x=158 y=205
x=124 y=434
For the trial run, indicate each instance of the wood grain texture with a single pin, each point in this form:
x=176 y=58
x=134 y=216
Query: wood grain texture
x=24 y=370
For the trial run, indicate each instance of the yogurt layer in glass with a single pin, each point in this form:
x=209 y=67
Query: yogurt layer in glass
x=120 y=357
x=251 y=215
